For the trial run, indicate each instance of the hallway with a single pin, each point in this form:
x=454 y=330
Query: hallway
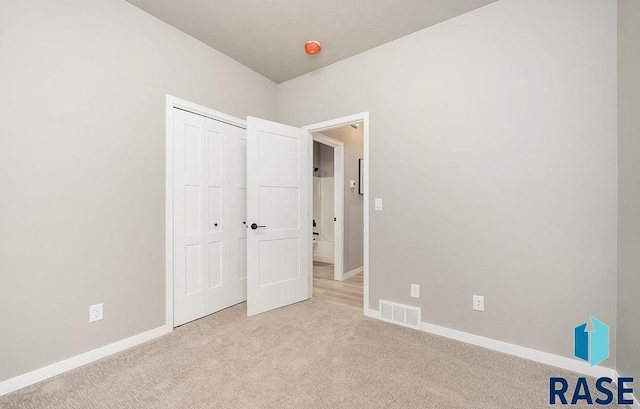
x=347 y=293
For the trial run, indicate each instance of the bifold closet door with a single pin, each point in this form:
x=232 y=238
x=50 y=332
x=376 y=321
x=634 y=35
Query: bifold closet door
x=239 y=210
x=204 y=225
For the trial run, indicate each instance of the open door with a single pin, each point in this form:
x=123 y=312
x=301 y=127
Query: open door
x=278 y=225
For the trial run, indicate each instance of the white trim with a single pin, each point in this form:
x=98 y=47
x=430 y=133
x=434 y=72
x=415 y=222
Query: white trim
x=368 y=312
x=49 y=371
x=352 y=273
x=522 y=352
x=336 y=123
x=173 y=102
x=338 y=203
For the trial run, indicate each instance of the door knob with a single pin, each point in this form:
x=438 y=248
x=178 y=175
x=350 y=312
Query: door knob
x=255 y=226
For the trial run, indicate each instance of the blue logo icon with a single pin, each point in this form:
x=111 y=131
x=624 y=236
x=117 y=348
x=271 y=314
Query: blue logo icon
x=591 y=346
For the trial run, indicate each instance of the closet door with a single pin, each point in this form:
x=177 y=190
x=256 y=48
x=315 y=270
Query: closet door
x=239 y=210
x=217 y=221
x=202 y=217
x=188 y=236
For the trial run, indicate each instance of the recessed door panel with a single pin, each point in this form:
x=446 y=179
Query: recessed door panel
x=192 y=210
x=215 y=209
x=279 y=207
x=193 y=269
x=275 y=269
x=215 y=265
x=279 y=155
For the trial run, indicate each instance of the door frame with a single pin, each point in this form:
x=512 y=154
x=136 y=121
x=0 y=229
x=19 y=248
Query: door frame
x=332 y=124
x=171 y=103
x=338 y=203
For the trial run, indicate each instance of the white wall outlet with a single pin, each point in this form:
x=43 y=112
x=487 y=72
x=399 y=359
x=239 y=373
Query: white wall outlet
x=478 y=302
x=378 y=203
x=415 y=290
x=95 y=312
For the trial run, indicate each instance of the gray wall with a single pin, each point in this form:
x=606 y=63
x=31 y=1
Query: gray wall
x=353 y=244
x=326 y=161
x=629 y=188
x=494 y=146
x=316 y=158
x=82 y=168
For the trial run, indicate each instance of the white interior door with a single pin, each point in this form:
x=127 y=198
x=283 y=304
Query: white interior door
x=217 y=217
x=205 y=276
x=278 y=223
x=239 y=239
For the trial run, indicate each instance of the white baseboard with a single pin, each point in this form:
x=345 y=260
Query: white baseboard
x=352 y=273
x=49 y=371
x=323 y=259
x=372 y=313
x=522 y=352
x=516 y=350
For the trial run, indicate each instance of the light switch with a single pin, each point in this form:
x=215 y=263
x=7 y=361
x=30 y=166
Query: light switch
x=378 y=203
x=353 y=184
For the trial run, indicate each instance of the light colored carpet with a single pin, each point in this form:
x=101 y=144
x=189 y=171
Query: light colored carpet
x=306 y=356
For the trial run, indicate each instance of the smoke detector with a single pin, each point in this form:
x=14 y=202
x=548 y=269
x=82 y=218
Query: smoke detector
x=312 y=47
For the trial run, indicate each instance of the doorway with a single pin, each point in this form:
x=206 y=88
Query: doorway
x=343 y=165
x=279 y=269
x=328 y=203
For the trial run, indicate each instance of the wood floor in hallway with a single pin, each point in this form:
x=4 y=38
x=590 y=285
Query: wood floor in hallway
x=347 y=293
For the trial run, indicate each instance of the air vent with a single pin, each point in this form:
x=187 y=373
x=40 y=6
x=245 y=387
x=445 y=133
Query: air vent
x=400 y=314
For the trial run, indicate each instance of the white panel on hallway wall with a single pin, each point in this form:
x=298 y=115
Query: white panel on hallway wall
x=327 y=208
x=208 y=207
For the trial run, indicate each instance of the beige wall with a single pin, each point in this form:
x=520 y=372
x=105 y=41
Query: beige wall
x=629 y=188
x=353 y=243
x=493 y=145
x=82 y=168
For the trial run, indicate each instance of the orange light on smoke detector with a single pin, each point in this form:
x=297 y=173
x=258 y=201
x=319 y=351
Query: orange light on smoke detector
x=312 y=47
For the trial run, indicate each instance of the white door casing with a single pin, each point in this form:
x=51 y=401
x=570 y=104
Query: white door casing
x=278 y=254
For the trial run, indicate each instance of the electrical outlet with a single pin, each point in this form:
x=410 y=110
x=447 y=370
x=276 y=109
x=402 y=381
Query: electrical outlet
x=415 y=290
x=96 y=312
x=478 y=302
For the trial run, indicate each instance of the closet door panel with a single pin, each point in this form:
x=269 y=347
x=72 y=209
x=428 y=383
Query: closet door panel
x=188 y=193
x=217 y=258
x=239 y=239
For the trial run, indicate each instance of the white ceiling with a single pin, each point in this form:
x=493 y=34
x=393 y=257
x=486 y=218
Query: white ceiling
x=268 y=36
